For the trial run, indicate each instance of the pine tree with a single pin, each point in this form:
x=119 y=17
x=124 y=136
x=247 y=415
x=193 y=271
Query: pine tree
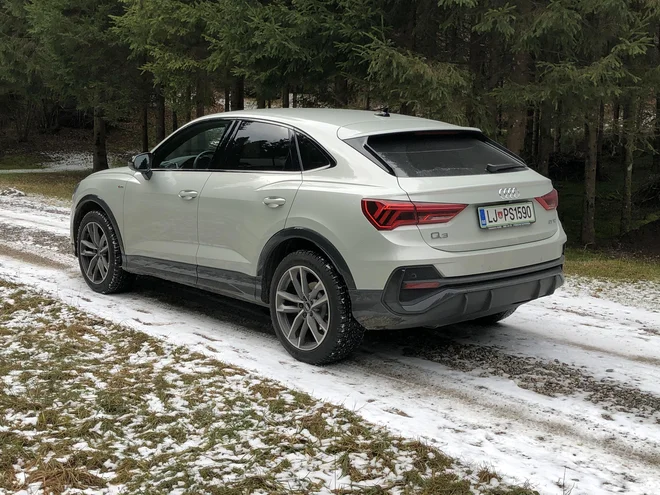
x=83 y=59
x=21 y=85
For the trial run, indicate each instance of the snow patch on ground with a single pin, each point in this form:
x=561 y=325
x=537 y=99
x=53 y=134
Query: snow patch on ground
x=57 y=161
x=12 y=192
x=642 y=294
x=61 y=161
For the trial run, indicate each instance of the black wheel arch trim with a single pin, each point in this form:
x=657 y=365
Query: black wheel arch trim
x=328 y=249
x=92 y=198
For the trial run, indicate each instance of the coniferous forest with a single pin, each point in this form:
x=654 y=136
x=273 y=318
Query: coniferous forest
x=570 y=85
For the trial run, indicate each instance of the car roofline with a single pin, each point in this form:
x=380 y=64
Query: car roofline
x=297 y=116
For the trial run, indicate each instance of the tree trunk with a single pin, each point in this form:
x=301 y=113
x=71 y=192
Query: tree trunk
x=188 y=104
x=600 y=173
x=558 y=120
x=199 y=97
x=100 y=156
x=515 y=139
x=341 y=91
x=545 y=139
x=227 y=101
x=536 y=122
x=616 y=124
x=476 y=57
x=528 y=150
x=23 y=121
x=656 y=141
x=493 y=80
x=237 y=96
x=160 y=115
x=406 y=108
x=295 y=97
x=144 y=126
x=589 y=209
x=261 y=102
x=175 y=121
x=285 y=96
x=629 y=132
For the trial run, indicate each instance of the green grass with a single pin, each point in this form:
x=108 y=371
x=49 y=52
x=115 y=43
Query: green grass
x=611 y=266
x=56 y=184
x=22 y=161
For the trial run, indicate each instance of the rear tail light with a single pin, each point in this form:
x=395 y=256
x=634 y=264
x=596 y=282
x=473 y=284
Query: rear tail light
x=388 y=215
x=550 y=201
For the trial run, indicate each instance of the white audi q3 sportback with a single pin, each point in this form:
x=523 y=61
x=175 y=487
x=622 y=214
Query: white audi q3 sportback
x=338 y=220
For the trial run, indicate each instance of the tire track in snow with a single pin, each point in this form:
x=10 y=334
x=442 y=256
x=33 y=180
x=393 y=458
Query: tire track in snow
x=491 y=403
x=550 y=378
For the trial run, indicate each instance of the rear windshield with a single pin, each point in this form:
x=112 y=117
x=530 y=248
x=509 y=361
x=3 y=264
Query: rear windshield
x=432 y=154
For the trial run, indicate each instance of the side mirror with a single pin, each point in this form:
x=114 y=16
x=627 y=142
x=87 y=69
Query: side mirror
x=142 y=163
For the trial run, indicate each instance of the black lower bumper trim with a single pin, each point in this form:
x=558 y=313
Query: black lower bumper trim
x=457 y=299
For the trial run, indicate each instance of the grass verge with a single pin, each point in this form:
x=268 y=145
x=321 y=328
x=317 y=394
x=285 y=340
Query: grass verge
x=53 y=184
x=613 y=266
x=23 y=161
x=90 y=406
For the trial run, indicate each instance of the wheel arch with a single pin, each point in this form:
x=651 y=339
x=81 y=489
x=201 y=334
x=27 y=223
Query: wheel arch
x=92 y=202
x=290 y=240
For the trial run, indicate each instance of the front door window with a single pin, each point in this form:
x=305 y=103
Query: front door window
x=193 y=148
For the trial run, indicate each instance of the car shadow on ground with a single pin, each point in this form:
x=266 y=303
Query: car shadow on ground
x=229 y=311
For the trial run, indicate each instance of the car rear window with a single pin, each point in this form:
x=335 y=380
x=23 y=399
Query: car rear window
x=435 y=154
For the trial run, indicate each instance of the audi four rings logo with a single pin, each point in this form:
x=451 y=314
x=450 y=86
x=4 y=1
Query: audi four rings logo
x=509 y=193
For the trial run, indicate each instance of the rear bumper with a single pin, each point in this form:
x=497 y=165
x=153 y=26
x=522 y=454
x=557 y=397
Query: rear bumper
x=452 y=299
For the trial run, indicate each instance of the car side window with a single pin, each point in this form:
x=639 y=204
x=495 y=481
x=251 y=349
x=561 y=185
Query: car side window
x=193 y=148
x=311 y=155
x=259 y=146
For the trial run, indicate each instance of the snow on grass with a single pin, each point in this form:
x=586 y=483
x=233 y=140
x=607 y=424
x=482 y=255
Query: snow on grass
x=88 y=406
x=642 y=294
x=59 y=161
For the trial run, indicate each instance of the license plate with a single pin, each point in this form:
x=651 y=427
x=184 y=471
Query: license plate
x=509 y=215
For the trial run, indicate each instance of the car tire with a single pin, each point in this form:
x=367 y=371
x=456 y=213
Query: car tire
x=325 y=301
x=495 y=318
x=99 y=255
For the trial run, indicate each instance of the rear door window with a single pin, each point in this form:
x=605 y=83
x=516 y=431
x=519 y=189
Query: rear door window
x=259 y=146
x=434 y=154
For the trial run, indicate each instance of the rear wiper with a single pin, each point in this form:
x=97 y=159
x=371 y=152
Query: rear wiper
x=492 y=168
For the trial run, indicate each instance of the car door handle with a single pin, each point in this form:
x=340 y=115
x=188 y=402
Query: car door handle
x=274 y=202
x=188 y=195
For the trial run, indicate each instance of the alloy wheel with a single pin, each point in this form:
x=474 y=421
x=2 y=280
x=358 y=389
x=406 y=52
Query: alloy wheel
x=94 y=253
x=303 y=308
